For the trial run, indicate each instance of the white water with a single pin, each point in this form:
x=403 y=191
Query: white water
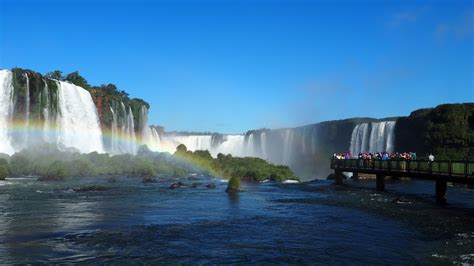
x=282 y=146
x=379 y=139
x=79 y=123
x=122 y=138
x=6 y=111
x=45 y=95
x=76 y=125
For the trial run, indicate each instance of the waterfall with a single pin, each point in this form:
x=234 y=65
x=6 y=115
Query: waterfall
x=359 y=139
x=250 y=145
x=263 y=143
x=288 y=146
x=79 y=122
x=380 y=138
x=46 y=103
x=27 y=100
x=130 y=132
x=6 y=111
x=114 y=136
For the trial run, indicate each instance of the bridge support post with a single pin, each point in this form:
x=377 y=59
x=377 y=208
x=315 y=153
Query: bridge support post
x=355 y=175
x=338 y=178
x=441 y=188
x=380 y=179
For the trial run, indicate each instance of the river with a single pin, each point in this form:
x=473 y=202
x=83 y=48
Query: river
x=267 y=223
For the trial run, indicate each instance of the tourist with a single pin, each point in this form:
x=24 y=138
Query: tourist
x=431 y=158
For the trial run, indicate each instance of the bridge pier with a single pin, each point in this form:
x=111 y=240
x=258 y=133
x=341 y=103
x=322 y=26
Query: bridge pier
x=338 y=178
x=380 y=179
x=441 y=188
x=355 y=175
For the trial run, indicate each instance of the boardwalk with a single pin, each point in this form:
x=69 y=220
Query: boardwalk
x=439 y=171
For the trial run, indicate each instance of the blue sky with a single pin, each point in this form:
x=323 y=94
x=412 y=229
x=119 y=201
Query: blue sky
x=230 y=66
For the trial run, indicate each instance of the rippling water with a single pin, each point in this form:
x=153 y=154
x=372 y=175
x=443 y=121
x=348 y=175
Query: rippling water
x=266 y=223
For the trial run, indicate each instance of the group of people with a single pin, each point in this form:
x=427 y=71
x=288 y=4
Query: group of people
x=405 y=156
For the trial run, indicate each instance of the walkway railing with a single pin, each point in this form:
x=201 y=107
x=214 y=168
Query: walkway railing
x=448 y=168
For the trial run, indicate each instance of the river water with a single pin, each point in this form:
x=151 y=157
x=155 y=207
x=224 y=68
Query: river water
x=267 y=223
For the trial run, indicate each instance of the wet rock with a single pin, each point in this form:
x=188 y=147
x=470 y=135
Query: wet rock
x=149 y=180
x=211 y=185
x=401 y=200
x=177 y=185
x=195 y=185
x=112 y=180
x=332 y=176
x=90 y=188
x=232 y=190
x=50 y=178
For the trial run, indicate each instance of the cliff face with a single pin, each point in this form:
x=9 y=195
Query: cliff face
x=446 y=131
x=33 y=94
x=34 y=97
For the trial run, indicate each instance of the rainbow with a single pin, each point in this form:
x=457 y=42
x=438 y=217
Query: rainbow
x=51 y=132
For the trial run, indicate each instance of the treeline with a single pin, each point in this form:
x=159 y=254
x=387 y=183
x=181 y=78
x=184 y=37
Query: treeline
x=46 y=161
x=247 y=168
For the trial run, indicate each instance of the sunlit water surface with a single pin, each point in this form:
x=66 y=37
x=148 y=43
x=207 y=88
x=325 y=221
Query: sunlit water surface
x=266 y=223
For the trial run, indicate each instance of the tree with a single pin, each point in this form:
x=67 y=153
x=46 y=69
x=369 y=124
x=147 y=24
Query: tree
x=56 y=74
x=181 y=149
x=19 y=165
x=78 y=80
x=57 y=170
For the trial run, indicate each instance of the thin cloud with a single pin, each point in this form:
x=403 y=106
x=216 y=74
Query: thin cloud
x=460 y=28
x=406 y=17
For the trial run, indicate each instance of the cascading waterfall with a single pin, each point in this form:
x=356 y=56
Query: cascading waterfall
x=379 y=139
x=114 y=133
x=6 y=111
x=74 y=124
x=79 y=122
x=45 y=97
x=132 y=147
x=263 y=143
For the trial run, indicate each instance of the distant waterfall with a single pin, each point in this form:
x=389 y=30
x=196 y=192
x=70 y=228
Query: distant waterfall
x=291 y=146
x=373 y=137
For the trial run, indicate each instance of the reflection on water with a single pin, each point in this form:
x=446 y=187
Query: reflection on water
x=265 y=223
x=234 y=199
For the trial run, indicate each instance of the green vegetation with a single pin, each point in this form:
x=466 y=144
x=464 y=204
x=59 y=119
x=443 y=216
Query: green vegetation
x=447 y=131
x=4 y=169
x=248 y=168
x=57 y=170
x=47 y=161
x=233 y=185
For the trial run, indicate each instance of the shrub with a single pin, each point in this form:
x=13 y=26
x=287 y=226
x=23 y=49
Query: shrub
x=233 y=185
x=3 y=172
